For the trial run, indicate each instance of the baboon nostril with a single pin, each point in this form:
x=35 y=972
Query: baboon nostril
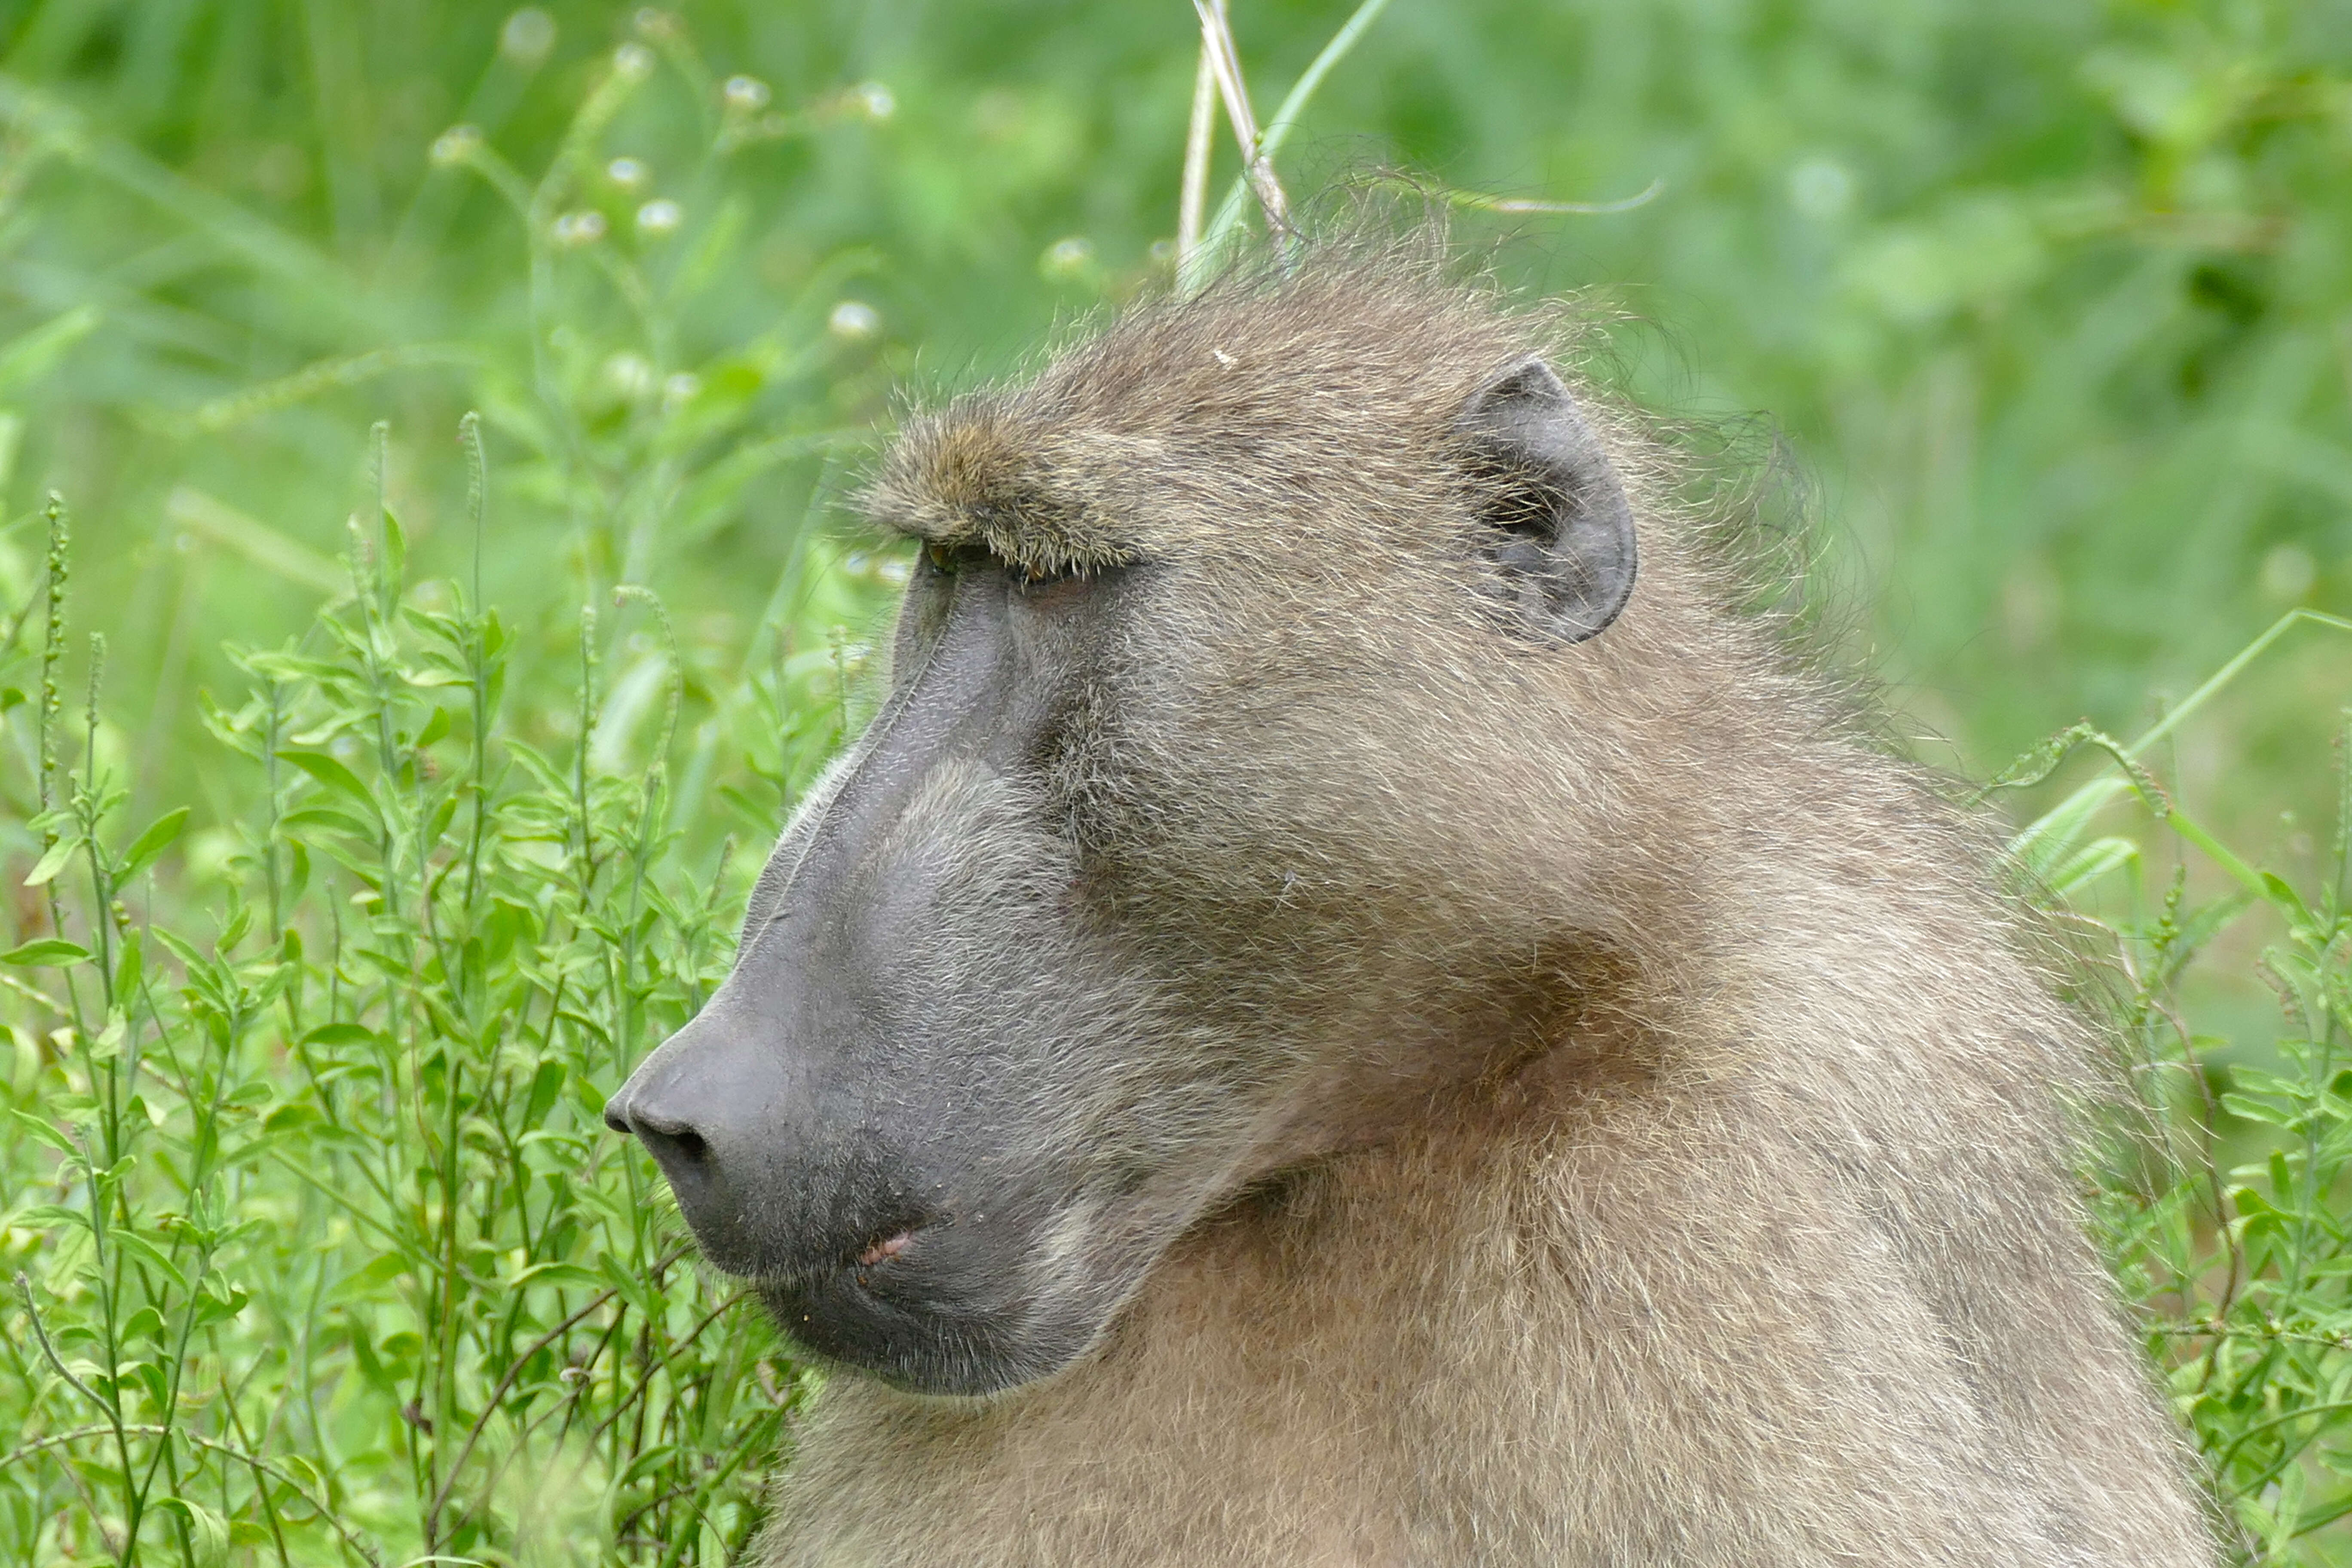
x=669 y=1140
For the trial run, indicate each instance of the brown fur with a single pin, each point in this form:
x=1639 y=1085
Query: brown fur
x=1667 y=1166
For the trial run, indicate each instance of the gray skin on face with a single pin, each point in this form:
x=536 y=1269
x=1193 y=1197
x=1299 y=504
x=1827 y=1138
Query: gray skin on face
x=1000 y=1028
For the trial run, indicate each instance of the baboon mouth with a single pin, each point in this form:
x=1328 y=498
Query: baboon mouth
x=887 y=1249
x=910 y=1340
x=932 y=1308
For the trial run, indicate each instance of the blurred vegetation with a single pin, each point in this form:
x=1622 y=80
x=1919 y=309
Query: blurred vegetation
x=2052 y=299
x=2051 y=304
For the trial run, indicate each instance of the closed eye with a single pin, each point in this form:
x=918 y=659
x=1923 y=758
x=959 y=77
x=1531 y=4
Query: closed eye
x=952 y=558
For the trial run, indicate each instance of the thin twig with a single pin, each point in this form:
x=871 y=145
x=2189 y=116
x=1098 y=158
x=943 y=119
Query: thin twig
x=1481 y=202
x=35 y=994
x=49 y=1351
x=490 y=1406
x=58 y=1439
x=646 y=1382
x=514 y=1370
x=1270 y=139
x=1225 y=60
x=1193 y=199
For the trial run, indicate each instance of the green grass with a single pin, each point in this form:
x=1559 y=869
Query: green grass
x=339 y=900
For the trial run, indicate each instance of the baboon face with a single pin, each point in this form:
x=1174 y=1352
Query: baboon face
x=1149 y=880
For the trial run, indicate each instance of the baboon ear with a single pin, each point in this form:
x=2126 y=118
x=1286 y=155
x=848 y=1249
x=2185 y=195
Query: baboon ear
x=1559 y=531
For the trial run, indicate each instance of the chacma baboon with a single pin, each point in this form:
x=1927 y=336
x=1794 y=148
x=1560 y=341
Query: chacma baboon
x=1331 y=1020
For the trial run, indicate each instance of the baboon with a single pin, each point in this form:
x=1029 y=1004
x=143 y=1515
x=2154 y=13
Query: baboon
x=1352 y=1007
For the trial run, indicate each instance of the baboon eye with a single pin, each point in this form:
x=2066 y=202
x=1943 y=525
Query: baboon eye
x=949 y=558
x=1032 y=576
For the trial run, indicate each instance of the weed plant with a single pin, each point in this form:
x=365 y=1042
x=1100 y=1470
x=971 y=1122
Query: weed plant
x=322 y=1253
x=2223 y=1200
x=333 y=1256
x=315 y=1250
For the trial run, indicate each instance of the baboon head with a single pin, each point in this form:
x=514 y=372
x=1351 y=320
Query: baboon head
x=1216 y=820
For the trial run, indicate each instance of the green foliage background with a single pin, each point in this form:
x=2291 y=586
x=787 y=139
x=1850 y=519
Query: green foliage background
x=2051 y=304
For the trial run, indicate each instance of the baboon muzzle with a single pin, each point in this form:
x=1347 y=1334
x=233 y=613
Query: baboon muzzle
x=767 y=1195
x=859 y=1256
x=842 y=1124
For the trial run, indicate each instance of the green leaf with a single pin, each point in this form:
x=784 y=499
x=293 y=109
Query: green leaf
x=329 y=819
x=109 y=1041
x=365 y=1283
x=2283 y=1184
x=290 y=1119
x=157 y=838
x=340 y=1035
x=555 y=1274
x=589 y=1098
x=47 y=949
x=27 y=358
x=129 y=971
x=54 y=860
x=45 y=1133
x=207 y=1534
x=182 y=949
x=630 y=1287
x=213 y=1306
x=130 y=1241
x=2289 y=902
x=2248 y=1109
x=545 y=1084
x=2092 y=862
x=330 y=770
x=396 y=553
x=2045 y=841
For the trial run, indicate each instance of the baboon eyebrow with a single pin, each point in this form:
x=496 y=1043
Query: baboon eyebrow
x=1028 y=529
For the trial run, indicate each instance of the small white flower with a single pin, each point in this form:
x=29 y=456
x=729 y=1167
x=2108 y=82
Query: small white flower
x=660 y=216
x=633 y=62
x=1066 y=257
x=629 y=375
x=584 y=228
x=2288 y=571
x=852 y=321
x=747 y=94
x=528 y=35
x=627 y=173
x=454 y=146
x=680 y=388
x=1820 y=188
x=878 y=103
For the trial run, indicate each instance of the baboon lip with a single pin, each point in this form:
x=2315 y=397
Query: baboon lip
x=843 y=1318
x=887 y=1249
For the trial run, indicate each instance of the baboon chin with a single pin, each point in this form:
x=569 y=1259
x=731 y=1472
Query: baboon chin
x=1380 y=1019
